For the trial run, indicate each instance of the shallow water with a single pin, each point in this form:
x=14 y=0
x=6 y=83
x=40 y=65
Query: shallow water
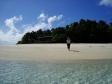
x=27 y=72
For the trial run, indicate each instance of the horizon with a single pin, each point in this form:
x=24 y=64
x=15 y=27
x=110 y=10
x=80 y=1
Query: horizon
x=20 y=16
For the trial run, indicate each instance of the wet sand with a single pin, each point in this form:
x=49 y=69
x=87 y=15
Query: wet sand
x=55 y=52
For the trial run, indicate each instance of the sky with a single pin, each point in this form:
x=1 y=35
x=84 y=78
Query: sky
x=18 y=17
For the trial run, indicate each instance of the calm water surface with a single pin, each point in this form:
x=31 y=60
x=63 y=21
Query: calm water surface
x=27 y=72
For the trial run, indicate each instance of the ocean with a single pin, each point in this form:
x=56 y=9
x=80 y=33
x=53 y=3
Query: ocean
x=79 y=72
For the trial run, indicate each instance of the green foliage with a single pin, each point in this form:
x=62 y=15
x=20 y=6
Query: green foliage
x=84 y=31
x=58 y=35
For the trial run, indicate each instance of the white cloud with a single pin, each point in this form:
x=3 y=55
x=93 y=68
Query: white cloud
x=36 y=27
x=42 y=17
x=9 y=37
x=54 y=18
x=13 y=35
x=10 y=23
x=44 y=23
x=106 y=2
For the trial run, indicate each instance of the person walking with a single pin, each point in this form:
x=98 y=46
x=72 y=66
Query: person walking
x=68 y=43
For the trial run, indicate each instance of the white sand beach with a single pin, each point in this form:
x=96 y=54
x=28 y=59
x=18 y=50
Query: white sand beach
x=55 y=52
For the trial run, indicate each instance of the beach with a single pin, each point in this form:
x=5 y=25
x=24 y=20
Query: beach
x=56 y=52
x=54 y=64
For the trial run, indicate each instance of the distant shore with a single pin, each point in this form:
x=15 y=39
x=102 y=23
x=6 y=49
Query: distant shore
x=55 y=52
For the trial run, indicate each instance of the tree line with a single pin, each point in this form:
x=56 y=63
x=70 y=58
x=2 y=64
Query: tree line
x=84 y=31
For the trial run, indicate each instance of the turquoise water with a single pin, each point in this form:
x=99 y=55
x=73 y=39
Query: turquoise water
x=85 y=72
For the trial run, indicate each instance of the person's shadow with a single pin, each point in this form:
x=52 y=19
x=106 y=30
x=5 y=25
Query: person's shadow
x=74 y=51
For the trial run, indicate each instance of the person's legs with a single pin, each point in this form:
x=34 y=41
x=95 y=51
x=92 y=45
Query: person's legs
x=68 y=46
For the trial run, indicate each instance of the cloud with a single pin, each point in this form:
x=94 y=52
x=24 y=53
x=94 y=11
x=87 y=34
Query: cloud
x=44 y=23
x=54 y=18
x=10 y=23
x=42 y=17
x=9 y=37
x=106 y=2
x=36 y=27
x=14 y=34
